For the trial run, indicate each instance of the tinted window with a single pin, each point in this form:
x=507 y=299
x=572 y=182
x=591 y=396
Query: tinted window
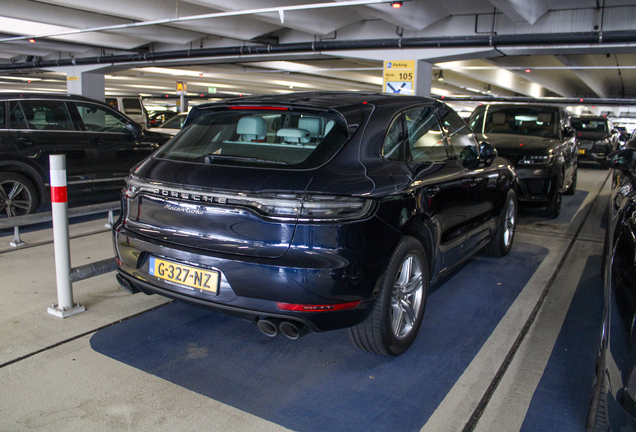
x=424 y=135
x=132 y=106
x=2 y=115
x=113 y=103
x=175 y=122
x=393 y=148
x=263 y=136
x=100 y=119
x=542 y=122
x=17 y=117
x=460 y=137
x=590 y=125
x=47 y=115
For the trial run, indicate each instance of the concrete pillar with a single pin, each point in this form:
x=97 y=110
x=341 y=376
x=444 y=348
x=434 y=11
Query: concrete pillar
x=423 y=78
x=88 y=84
x=85 y=81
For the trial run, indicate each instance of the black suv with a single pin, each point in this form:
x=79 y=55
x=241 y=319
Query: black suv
x=540 y=142
x=100 y=144
x=597 y=138
x=315 y=211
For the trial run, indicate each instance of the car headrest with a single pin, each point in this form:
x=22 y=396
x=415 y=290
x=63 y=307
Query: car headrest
x=252 y=127
x=294 y=136
x=312 y=124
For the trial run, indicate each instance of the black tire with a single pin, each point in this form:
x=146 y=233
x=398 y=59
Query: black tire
x=572 y=189
x=18 y=196
x=597 y=411
x=383 y=332
x=501 y=243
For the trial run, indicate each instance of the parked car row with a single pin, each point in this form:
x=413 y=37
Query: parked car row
x=362 y=200
x=613 y=401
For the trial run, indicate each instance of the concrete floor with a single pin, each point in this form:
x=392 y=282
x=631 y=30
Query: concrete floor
x=52 y=380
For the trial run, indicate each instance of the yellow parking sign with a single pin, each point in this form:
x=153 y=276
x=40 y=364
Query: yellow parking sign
x=399 y=76
x=182 y=87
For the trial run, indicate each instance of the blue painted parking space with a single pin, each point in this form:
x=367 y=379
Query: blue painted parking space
x=561 y=400
x=321 y=382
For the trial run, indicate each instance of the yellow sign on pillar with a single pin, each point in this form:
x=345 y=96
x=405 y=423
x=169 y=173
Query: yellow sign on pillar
x=399 y=76
x=182 y=88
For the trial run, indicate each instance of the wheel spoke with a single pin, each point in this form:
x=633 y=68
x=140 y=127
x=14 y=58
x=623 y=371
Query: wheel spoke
x=414 y=284
x=408 y=313
x=405 y=273
x=16 y=190
x=396 y=321
x=25 y=205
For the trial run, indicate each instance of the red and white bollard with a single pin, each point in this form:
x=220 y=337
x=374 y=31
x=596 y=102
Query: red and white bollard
x=59 y=210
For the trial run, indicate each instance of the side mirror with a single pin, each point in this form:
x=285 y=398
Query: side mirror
x=469 y=157
x=488 y=153
x=135 y=129
x=569 y=131
x=623 y=160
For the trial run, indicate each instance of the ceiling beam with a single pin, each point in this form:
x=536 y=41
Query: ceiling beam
x=522 y=11
x=590 y=77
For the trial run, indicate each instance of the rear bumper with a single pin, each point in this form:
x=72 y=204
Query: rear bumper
x=249 y=287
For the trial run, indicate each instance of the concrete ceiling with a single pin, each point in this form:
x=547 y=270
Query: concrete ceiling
x=77 y=29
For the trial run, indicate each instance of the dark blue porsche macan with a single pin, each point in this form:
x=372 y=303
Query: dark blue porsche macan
x=315 y=211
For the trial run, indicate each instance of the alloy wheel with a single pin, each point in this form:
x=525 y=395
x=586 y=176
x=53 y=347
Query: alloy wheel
x=406 y=297
x=15 y=198
x=509 y=222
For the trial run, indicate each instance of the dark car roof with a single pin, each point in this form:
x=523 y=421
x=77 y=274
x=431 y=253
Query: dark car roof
x=590 y=117
x=326 y=100
x=519 y=105
x=34 y=95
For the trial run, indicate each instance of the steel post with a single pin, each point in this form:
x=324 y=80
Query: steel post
x=61 y=243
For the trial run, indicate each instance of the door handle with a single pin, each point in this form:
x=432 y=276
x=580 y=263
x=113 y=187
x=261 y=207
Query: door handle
x=431 y=190
x=25 y=140
x=470 y=182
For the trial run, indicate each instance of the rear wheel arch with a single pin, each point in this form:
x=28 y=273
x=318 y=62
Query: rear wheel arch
x=31 y=174
x=421 y=231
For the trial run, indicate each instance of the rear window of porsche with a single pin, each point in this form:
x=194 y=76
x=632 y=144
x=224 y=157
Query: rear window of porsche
x=263 y=136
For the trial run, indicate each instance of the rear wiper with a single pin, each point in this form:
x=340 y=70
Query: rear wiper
x=212 y=157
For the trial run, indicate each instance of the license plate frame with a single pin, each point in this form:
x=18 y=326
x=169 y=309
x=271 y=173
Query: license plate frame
x=195 y=278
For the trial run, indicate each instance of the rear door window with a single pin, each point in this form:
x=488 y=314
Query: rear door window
x=460 y=137
x=49 y=115
x=17 y=117
x=264 y=136
x=425 y=139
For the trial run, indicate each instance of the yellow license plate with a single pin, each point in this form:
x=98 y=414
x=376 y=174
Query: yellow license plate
x=192 y=277
x=581 y=151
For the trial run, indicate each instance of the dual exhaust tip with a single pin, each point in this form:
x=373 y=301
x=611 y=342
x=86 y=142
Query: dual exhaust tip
x=268 y=326
x=291 y=330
